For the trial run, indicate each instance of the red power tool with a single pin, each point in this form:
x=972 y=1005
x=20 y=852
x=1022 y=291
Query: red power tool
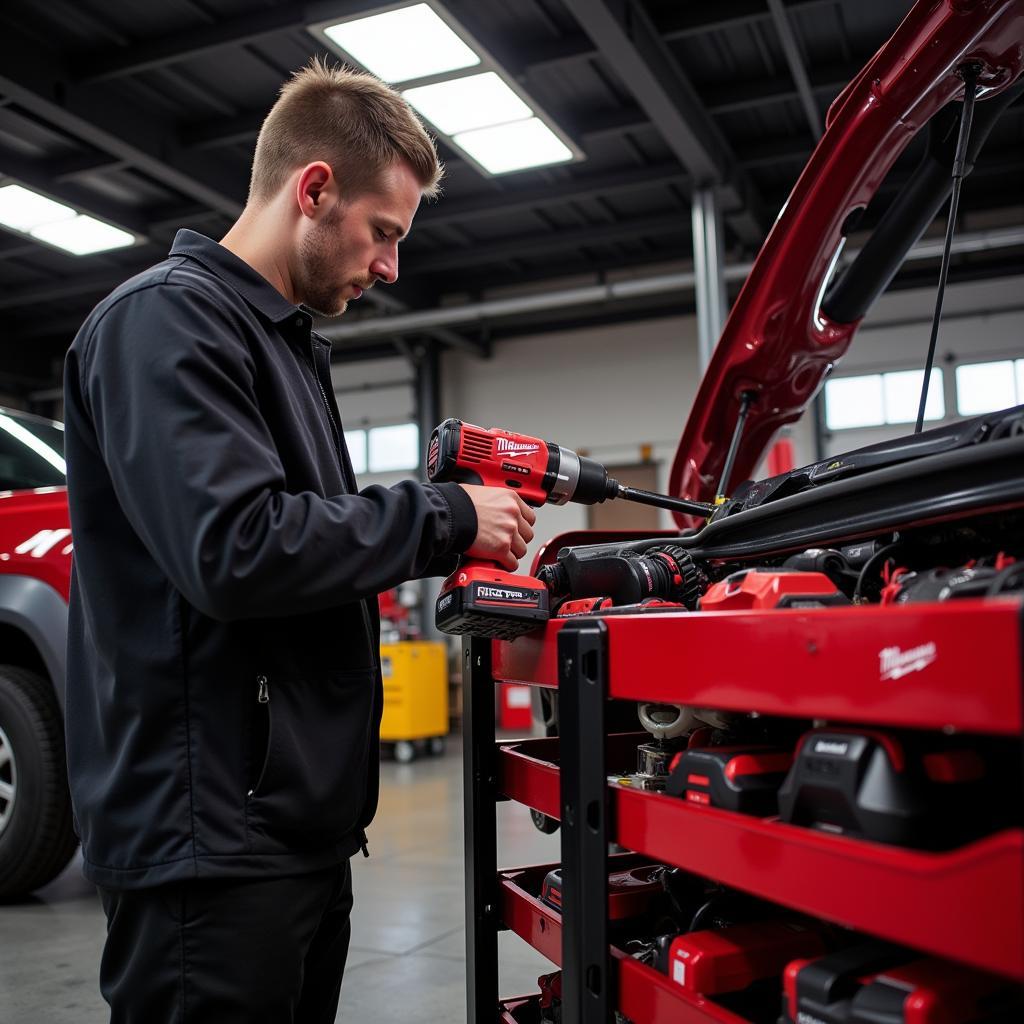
x=481 y=598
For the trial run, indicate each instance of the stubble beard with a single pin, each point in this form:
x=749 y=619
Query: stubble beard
x=321 y=253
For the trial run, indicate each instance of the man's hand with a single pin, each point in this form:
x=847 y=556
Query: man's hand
x=504 y=525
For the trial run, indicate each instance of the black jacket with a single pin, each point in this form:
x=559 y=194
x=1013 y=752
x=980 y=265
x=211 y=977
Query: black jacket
x=223 y=690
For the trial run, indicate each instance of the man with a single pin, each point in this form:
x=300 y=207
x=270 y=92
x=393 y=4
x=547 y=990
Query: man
x=224 y=695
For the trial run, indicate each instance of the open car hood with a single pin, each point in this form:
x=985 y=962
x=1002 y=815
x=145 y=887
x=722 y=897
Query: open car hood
x=784 y=334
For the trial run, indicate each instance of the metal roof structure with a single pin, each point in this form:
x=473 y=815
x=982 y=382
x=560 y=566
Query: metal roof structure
x=146 y=115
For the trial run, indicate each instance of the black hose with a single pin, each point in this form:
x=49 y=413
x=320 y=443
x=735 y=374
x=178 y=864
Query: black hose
x=877 y=559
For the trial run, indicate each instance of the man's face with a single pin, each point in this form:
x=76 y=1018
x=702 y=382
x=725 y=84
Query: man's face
x=354 y=244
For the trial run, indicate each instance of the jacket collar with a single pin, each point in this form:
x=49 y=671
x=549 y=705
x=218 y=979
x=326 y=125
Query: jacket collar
x=235 y=272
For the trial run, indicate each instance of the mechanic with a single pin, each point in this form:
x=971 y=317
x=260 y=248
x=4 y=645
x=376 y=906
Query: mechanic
x=224 y=692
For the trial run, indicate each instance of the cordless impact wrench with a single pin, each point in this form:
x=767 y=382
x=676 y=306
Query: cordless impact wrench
x=481 y=598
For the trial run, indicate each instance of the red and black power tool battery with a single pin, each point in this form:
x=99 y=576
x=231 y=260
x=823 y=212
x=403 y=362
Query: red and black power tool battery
x=907 y=791
x=737 y=778
x=876 y=984
x=720 y=960
x=632 y=893
x=482 y=599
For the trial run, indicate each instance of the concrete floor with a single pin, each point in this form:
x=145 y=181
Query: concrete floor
x=407 y=960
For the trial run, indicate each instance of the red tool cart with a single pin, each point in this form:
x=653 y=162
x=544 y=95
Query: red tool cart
x=964 y=905
x=918 y=904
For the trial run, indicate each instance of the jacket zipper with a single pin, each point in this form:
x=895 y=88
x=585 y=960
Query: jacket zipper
x=262 y=697
x=335 y=432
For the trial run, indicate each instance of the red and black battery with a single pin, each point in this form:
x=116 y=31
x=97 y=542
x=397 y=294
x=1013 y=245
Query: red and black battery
x=631 y=893
x=875 y=984
x=772 y=588
x=880 y=786
x=717 y=961
x=485 y=600
x=736 y=778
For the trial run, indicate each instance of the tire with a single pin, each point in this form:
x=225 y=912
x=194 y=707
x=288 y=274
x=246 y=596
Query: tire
x=37 y=837
x=543 y=823
x=436 y=746
x=405 y=752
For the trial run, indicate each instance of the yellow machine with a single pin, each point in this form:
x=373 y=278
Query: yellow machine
x=415 y=697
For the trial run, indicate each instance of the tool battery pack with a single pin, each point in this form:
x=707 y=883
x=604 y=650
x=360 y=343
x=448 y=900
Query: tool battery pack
x=875 y=984
x=631 y=893
x=489 y=602
x=717 y=961
x=739 y=778
x=872 y=785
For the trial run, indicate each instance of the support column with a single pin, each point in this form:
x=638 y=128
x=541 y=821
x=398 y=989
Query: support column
x=708 y=269
x=425 y=357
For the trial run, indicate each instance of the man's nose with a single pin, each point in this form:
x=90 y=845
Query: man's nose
x=386 y=267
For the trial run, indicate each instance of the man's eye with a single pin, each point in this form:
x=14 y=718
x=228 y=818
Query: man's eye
x=382 y=234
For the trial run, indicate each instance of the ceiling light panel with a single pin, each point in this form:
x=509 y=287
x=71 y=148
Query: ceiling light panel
x=400 y=45
x=83 y=235
x=455 y=85
x=462 y=104
x=22 y=209
x=37 y=216
x=514 y=147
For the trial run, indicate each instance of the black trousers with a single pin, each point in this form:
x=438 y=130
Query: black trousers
x=228 y=951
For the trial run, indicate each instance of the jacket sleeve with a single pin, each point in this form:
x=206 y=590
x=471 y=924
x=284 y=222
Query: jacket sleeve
x=195 y=469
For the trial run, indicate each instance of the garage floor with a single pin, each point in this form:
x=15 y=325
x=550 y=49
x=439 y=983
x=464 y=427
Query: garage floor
x=408 y=936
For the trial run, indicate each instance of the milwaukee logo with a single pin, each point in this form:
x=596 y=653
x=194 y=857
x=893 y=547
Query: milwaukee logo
x=894 y=663
x=515 y=448
x=831 y=747
x=500 y=595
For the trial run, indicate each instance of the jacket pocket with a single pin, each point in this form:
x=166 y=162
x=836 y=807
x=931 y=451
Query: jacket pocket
x=311 y=785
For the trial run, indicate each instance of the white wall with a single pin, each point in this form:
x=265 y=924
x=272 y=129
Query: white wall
x=610 y=390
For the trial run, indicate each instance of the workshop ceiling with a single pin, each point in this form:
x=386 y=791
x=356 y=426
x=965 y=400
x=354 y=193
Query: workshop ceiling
x=145 y=115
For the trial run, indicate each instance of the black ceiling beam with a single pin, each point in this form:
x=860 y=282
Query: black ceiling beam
x=578 y=188
x=501 y=251
x=36 y=174
x=745 y=93
x=81 y=165
x=58 y=289
x=797 y=68
x=174 y=47
x=631 y=47
x=36 y=78
x=254 y=27
x=681 y=21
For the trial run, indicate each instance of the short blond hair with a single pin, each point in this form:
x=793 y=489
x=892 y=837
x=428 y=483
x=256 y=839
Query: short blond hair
x=348 y=119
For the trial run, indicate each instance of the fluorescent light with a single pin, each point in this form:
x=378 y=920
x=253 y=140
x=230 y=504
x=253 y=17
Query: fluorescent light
x=82 y=235
x=23 y=209
x=462 y=104
x=514 y=147
x=401 y=45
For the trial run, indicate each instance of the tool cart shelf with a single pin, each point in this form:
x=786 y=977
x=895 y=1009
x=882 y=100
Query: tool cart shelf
x=965 y=905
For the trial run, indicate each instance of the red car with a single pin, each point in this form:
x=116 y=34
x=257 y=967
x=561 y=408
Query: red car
x=36 y=834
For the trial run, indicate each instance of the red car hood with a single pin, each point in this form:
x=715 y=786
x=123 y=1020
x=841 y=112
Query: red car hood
x=35 y=536
x=776 y=342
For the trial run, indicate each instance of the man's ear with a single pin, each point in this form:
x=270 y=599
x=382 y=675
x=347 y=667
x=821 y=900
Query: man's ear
x=314 y=180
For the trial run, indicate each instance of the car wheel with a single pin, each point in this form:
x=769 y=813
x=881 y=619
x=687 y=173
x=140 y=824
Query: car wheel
x=37 y=838
x=543 y=823
x=404 y=752
x=436 y=745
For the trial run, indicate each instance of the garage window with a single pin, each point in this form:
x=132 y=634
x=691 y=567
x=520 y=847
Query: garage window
x=875 y=399
x=356 y=440
x=988 y=387
x=393 y=448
